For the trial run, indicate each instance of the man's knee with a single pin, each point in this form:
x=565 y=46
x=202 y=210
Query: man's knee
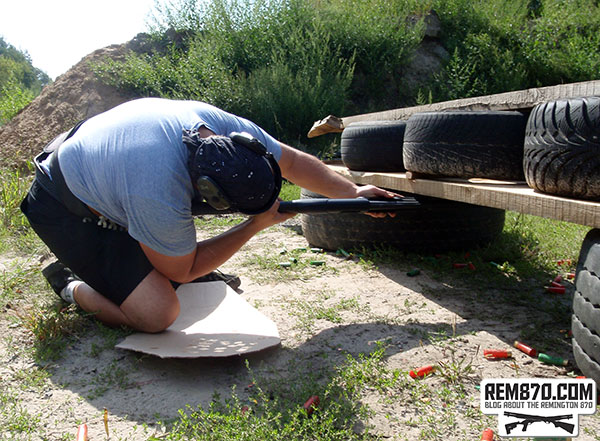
x=153 y=306
x=159 y=320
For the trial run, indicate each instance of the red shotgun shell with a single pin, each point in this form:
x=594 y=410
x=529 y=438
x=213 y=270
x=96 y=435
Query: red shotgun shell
x=524 y=348
x=422 y=371
x=496 y=354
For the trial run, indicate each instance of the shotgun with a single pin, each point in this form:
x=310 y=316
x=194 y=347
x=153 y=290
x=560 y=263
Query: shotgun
x=324 y=205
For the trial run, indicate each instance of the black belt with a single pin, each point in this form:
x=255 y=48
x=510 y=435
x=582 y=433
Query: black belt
x=55 y=183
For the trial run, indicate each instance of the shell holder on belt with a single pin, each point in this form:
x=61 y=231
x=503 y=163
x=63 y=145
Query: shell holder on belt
x=235 y=172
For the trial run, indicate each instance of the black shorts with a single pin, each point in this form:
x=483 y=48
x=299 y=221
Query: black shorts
x=111 y=262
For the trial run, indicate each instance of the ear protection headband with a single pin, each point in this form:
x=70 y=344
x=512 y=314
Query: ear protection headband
x=214 y=194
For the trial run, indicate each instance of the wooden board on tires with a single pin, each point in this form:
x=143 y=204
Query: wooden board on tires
x=507 y=195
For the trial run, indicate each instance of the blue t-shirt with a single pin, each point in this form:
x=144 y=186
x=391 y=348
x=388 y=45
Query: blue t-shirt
x=130 y=164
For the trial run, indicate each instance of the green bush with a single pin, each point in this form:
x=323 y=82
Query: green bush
x=20 y=82
x=279 y=63
x=286 y=63
x=504 y=45
x=12 y=99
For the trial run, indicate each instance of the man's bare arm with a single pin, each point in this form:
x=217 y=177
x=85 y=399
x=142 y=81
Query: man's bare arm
x=309 y=172
x=211 y=253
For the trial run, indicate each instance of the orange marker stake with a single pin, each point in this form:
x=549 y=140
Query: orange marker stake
x=106 y=422
x=556 y=284
x=487 y=435
x=524 y=348
x=496 y=354
x=310 y=404
x=82 y=433
x=570 y=275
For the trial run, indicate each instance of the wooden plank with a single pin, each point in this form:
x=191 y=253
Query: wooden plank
x=514 y=196
x=518 y=100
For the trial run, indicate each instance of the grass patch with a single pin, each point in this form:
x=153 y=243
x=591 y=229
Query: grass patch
x=276 y=411
x=277 y=264
x=52 y=328
x=529 y=250
x=324 y=307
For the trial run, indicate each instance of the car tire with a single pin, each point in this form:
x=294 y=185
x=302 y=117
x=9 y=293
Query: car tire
x=373 y=146
x=466 y=144
x=562 y=148
x=436 y=225
x=586 y=308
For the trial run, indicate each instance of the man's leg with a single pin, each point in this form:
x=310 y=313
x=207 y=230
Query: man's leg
x=126 y=288
x=151 y=307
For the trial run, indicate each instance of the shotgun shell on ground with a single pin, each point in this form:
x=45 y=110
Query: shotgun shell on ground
x=422 y=372
x=414 y=272
x=556 y=289
x=549 y=359
x=310 y=404
x=524 y=348
x=496 y=354
x=317 y=262
x=342 y=252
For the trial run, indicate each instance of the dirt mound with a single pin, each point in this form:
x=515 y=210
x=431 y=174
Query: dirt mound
x=75 y=95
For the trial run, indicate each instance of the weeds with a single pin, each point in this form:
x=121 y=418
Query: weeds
x=51 y=329
x=278 y=414
x=320 y=308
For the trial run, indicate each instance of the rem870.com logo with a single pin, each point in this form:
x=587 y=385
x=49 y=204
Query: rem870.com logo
x=535 y=407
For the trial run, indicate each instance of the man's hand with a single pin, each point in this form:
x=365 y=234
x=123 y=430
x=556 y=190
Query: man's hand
x=370 y=192
x=271 y=217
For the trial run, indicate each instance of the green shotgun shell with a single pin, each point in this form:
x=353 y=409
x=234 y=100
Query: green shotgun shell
x=293 y=260
x=316 y=250
x=548 y=359
x=343 y=252
x=414 y=272
x=317 y=262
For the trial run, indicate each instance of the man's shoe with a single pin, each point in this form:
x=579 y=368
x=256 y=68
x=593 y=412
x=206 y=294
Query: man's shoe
x=58 y=276
x=216 y=275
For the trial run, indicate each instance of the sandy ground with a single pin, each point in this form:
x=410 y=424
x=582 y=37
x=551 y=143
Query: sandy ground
x=407 y=313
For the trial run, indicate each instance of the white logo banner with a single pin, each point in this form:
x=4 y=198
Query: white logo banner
x=536 y=407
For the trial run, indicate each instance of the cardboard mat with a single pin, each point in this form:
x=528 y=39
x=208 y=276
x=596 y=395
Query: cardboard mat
x=214 y=322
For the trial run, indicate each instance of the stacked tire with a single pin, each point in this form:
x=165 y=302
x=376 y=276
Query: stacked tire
x=466 y=144
x=562 y=148
x=373 y=146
